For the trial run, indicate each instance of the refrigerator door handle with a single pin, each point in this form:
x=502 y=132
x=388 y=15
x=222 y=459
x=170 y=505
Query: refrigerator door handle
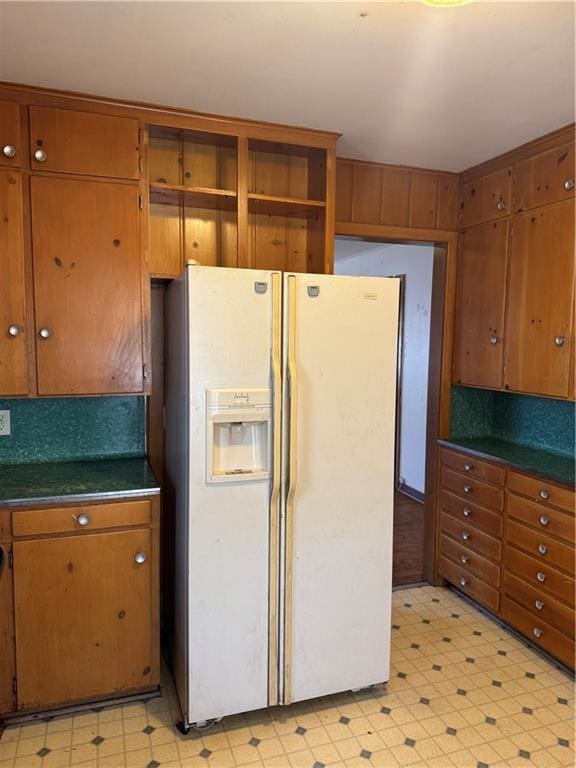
x=292 y=478
x=273 y=576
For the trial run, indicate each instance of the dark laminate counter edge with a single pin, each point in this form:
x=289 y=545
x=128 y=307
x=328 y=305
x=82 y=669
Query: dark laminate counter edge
x=550 y=476
x=81 y=498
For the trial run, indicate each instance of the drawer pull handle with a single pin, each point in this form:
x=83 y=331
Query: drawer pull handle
x=463 y=581
x=538 y=604
x=544 y=494
x=537 y=632
x=559 y=341
x=541 y=576
x=542 y=548
x=40 y=156
x=14 y=330
x=466 y=512
x=8 y=150
x=468 y=467
x=464 y=559
x=569 y=184
x=501 y=205
x=544 y=519
x=83 y=519
x=140 y=557
x=465 y=535
x=467 y=489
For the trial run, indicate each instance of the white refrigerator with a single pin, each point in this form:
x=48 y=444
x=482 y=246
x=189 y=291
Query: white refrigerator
x=280 y=420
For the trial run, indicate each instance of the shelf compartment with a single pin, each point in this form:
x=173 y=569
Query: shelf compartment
x=194 y=197
x=292 y=207
x=289 y=171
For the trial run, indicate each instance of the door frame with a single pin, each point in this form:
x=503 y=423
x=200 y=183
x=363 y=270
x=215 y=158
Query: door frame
x=445 y=244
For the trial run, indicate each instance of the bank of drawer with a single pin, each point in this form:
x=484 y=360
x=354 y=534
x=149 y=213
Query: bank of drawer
x=543 y=548
x=542 y=491
x=471 y=561
x=36 y=522
x=472 y=537
x=540 y=604
x=469 y=465
x=475 y=490
x=468 y=512
x=540 y=574
x=469 y=584
x=546 y=636
x=542 y=518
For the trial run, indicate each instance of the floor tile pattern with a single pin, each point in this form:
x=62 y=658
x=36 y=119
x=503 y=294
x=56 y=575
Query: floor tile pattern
x=463 y=693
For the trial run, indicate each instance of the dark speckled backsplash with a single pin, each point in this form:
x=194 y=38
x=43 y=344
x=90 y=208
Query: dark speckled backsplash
x=537 y=422
x=73 y=429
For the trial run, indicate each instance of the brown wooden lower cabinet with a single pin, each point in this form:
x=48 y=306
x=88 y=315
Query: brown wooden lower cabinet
x=85 y=604
x=519 y=561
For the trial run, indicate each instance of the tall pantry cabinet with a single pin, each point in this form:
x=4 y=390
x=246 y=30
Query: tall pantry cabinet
x=514 y=324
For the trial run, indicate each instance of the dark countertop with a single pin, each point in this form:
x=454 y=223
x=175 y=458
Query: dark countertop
x=549 y=466
x=76 y=480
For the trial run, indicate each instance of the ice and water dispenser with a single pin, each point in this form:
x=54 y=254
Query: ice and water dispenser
x=238 y=425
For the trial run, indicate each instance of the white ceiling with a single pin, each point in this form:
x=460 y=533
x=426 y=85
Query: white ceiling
x=405 y=83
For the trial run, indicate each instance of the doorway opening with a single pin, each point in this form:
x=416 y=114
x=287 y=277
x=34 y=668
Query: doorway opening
x=414 y=264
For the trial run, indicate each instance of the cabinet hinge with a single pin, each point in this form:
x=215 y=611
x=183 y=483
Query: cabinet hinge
x=164 y=417
x=14 y=686
x=10 y=558
x=145 y=371
x=140 y=163
x=140 y=202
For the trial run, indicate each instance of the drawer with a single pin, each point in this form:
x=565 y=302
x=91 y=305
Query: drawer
x=540 y=604
x=542 y=491
x=543 y=548
x=35 y=522
x=475 y=490
x=473 y=467
x=469 y=584
x=467 y=511
x=472 y=537
x=541 y=517
x=547 y=637
x=539 y=574
x=471 y=561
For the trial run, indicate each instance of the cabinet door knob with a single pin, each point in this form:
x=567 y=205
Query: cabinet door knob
x=463 y=581
x=468 y=467
x=537 y=632
x=538 y=604
x=14 y=330
x=464 y=559
x=8 y=150
x=501 y=205
x=559 y=341
x=544 y=519
x=569 y=184
x=40 y=156
x=465 y=535
x=140 y=557
x=542 y=548
x=83 y=519
x=494 y=339
x=466 y=512
x=467 y=489
x=544 y=494
x=44 y=333
x=541 y=576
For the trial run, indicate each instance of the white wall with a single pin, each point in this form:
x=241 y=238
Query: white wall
x=354 y=257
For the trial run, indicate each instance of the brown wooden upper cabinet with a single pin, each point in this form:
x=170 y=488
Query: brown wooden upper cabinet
x=13 y=365
x=10 y=136
x=87 y=286
x=486 y=198
x=88 y=143
x=480 y=305
x=545 y=178
x=539 y=325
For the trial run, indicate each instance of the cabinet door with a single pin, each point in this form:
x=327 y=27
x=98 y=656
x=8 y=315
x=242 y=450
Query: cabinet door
x=10 y=143
x=480 y=302
x=83 y=142
x=88 y=287
x=486 y=198
x=545 y=178
x=83 y=617
x=13 y=365
x=7 y=662
x=539 y=320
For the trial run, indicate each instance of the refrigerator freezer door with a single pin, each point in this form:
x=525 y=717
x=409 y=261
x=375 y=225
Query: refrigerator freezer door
x=340 y=340
x=228 y=595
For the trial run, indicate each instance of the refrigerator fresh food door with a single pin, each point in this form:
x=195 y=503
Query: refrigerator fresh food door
x=229 y=598
x=340 y=342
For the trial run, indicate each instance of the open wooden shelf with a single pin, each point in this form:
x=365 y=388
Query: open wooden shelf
x=283 y=206
x=194 y=197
